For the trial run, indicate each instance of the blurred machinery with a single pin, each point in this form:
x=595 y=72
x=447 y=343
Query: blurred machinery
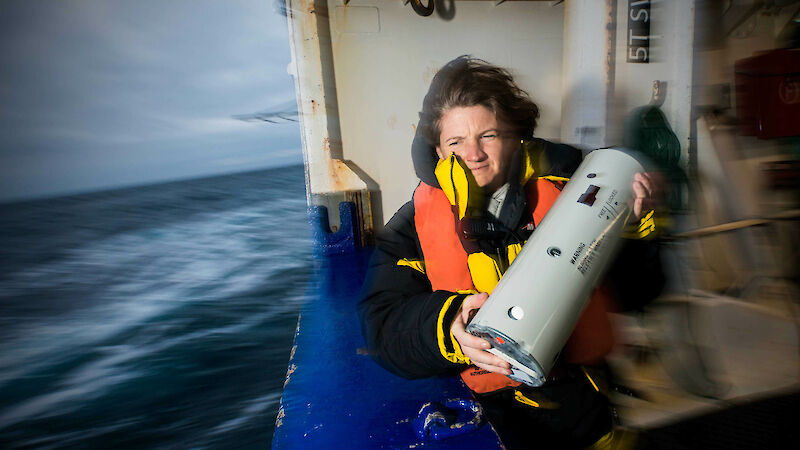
x=728 y=328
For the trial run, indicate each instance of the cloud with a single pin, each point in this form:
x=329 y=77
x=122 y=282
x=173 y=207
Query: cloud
x=113 y=79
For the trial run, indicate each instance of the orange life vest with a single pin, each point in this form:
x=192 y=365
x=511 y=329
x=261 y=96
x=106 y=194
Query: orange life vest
x=447 y=269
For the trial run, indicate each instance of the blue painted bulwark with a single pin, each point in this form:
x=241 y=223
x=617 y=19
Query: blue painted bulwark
x=336 y=396
x=327 y=242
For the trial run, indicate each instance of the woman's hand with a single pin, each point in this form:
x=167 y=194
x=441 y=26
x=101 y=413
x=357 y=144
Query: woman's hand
x=474 y=347
x=647 y=188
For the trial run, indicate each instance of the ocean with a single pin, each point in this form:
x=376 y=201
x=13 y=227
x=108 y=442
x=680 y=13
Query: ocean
x=152 y=317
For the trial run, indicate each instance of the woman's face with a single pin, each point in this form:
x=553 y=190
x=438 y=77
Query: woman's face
x=483 y=142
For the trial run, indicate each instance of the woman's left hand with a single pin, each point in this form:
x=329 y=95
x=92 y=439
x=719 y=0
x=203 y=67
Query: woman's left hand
x=647 y=188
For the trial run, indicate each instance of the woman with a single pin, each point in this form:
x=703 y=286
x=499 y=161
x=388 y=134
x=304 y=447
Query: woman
x=486 y=182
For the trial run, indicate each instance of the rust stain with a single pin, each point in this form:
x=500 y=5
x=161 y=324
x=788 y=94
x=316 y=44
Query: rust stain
x=611 y=48
x=322 y=11
x=289 y=373
x=611 y=28
x=326 y=148
x=364 y=215
x=338 y=171
x=339 y=177
x=279 y=419
x=314 y=106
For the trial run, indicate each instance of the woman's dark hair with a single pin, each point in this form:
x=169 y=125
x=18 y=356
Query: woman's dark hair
x=467 y=81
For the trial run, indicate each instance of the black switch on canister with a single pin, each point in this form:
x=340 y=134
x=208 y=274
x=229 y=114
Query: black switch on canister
x=588 y=197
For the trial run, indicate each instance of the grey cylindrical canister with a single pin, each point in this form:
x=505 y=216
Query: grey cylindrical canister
x=533 y=309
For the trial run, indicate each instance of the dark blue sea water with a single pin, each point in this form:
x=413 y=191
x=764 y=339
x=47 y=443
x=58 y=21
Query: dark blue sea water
x=156 y=317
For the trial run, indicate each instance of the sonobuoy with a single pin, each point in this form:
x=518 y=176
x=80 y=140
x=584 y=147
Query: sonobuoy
x=532 y=311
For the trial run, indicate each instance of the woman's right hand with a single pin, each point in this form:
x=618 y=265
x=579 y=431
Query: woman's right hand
x=474 y=347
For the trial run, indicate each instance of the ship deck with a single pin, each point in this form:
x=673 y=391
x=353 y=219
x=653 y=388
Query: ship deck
x=686 y=393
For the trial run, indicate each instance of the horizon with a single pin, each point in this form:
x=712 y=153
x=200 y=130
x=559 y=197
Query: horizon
x=100 y=190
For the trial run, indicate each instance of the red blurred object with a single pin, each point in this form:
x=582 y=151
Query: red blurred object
x=768 y=94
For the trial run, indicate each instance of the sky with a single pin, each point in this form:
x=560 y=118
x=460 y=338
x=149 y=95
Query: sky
x=103 y=94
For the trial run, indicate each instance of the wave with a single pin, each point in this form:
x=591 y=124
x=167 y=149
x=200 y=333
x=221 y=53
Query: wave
x=174 y=334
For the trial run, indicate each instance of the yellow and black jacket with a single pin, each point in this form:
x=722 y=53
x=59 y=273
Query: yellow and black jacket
x=410 y=298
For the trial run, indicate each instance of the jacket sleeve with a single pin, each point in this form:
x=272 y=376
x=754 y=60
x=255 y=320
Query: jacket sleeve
x=405 y=324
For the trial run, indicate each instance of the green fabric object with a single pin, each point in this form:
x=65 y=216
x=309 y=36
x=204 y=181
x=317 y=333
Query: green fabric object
x=648 y=131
